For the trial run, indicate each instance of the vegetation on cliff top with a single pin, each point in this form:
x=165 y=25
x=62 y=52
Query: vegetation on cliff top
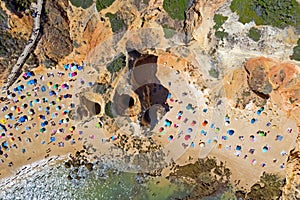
x=279 y=13
x=254 y=34
x=117 y=64
x=102 y=4
x=219 y=21
x=108 y=109
x=176 y=8
x=296 y=53
x=117 y=24
x=82 y=3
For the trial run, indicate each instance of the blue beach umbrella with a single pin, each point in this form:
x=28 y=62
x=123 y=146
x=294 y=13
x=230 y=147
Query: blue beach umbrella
x=43 y=88
x=2 y=127
x=230 y=132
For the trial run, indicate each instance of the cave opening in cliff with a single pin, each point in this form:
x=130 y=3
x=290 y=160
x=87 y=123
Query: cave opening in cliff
x=126 y=101
x=97 y=108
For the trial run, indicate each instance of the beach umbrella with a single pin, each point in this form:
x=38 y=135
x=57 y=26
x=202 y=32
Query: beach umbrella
x=190 y=130
x=161 y=129
x=29 y=73
x=80 y=68
x=170 y=138
x=189 y=106
x=42 y=130
x=252 y=138
x=45 y=99
x=265 y=149
x=23 y=119
x=43 y=88
x=98 y=125
x=192 y=144
x=2 y=127
x=202 y=144
x=73 y=68
x=49 y=84
x=168 y=123
x=51 y=93
x=224 y=137
x=238 y=148
x=114 y=138
x=230 y=132
x=279 y=137
x=204 y=123
x=42 y=117
x=55 y=86
x=52 y=139
x=13 y=108
x=187 y=137
x=203 y=132
x=262 y=133
x=31 y=111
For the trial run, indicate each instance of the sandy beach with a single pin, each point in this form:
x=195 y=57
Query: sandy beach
x=249 y=142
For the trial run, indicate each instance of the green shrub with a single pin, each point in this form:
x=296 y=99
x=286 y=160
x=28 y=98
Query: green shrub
x=108 y=110
x=116 y=23
x=254 y=34
x=176 y=8
x=280 y=13
x=219 y=21
x=102 y=4
x=296 y=53
x=82 y=3
x=117 y=64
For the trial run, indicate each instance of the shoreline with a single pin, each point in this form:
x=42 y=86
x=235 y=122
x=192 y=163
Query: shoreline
x=28 y=170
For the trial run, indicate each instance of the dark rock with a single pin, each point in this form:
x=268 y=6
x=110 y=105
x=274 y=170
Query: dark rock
x=69 y=177
x=67 y=164
x=55 y=42
x=89 y=166
x=259 y=83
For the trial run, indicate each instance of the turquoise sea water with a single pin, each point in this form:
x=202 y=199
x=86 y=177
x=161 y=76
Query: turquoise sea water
x=125 y=186
x=103 y=183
